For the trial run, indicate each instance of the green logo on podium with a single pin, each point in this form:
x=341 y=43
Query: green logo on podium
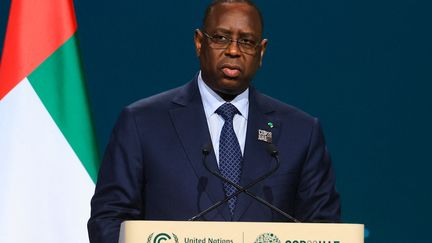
x=162 y=237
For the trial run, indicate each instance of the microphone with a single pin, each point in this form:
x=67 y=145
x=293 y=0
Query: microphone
x=272 y=150
x=206 y=150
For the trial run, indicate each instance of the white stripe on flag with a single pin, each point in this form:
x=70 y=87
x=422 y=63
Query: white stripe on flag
x=44 y=189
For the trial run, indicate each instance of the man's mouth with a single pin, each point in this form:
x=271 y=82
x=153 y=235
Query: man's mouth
x=231 y=71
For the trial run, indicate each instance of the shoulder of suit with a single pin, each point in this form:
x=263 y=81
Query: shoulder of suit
x=164 y=101
x=283 y=109
x=159 y=101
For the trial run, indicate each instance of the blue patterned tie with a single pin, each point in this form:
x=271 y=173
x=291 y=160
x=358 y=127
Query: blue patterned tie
x=230 y=155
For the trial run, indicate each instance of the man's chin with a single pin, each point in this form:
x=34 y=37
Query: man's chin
x=231 y=84
x=227 y=87
x=230 y=92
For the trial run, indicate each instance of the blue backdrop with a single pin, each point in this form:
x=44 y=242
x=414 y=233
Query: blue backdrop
x=363 y=67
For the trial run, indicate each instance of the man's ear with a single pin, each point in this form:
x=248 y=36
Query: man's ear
x=263 y=49
x=198 y=40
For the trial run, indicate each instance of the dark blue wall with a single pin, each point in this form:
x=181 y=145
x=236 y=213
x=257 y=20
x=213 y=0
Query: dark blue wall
x=363 y=67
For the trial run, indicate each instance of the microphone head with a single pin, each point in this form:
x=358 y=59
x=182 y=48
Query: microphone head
x=207 y=148
x=272 y=150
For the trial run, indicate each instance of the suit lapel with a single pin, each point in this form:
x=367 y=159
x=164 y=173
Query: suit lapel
x=190 y=123
x=256 y=159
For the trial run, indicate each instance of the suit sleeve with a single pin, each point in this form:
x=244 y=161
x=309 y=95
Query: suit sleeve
x=317 y=199
x=119 y=189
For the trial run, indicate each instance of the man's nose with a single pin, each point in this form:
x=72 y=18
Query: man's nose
x=233 y=49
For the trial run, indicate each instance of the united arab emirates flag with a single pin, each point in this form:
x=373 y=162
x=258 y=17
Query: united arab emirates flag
x=48 y=153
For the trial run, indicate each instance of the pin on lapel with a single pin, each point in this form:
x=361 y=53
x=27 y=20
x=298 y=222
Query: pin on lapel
x=265 y=136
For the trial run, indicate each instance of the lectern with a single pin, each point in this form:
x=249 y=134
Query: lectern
x=238 y=232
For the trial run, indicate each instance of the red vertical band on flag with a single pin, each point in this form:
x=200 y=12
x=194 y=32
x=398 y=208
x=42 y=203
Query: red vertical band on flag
x=35 y=30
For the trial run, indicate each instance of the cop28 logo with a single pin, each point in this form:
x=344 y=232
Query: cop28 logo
x=162 y=238
x=267 y=238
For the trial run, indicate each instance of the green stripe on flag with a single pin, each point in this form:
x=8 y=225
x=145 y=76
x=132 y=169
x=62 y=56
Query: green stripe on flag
x=60 y=84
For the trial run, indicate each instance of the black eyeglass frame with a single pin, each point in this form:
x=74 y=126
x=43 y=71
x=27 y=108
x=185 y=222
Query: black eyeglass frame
x=250 y=49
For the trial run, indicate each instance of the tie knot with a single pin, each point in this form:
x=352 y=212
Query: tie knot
x=227 y=111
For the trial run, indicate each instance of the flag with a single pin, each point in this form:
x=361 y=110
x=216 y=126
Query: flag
x=48 y=151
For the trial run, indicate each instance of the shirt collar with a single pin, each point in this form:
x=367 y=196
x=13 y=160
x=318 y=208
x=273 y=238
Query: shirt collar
x=212 y=101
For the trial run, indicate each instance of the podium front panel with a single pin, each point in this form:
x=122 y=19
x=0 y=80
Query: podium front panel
x=238 y=232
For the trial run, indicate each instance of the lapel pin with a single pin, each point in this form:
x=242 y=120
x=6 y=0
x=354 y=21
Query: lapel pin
x=265 y=136
x=270 y=124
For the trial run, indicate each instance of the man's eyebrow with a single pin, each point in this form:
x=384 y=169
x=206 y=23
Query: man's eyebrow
x=242 y=33
x=248 y=34
x=223 y=30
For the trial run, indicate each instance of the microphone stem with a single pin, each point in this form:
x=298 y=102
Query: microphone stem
x=243 y=189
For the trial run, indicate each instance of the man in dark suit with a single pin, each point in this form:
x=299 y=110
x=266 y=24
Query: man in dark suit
x=153 y=167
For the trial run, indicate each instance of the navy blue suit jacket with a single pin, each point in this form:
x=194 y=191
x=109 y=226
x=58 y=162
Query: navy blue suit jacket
x=153 y=168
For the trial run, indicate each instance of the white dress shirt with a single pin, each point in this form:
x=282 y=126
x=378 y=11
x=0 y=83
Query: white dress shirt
x=211 y=102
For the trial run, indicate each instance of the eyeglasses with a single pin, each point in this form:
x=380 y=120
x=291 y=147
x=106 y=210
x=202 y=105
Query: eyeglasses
x=245 y=45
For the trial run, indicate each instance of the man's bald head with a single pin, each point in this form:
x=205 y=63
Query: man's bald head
x=217 y=2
